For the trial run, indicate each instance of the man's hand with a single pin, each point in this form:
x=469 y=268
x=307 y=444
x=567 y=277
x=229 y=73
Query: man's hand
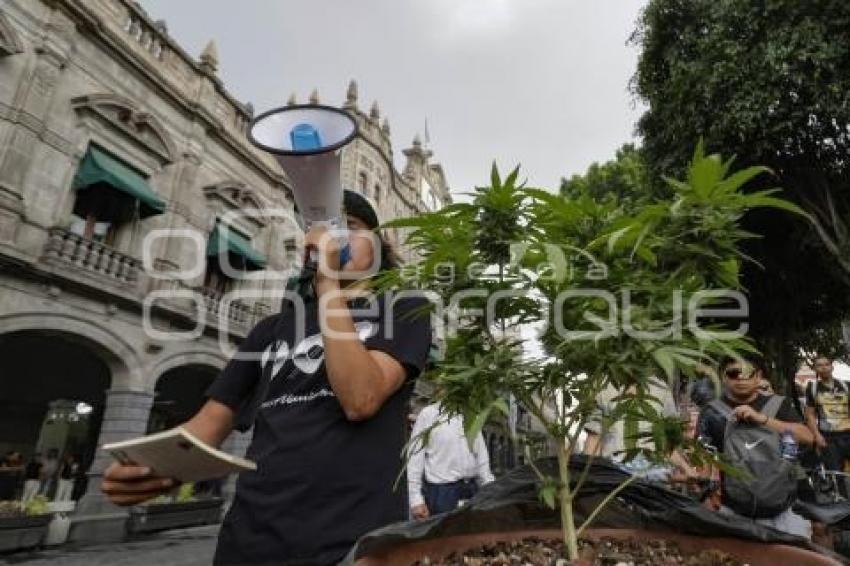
x=820 y=441
x=745 y=413
x=420 y=512
x=129 y=485
x=328 y=251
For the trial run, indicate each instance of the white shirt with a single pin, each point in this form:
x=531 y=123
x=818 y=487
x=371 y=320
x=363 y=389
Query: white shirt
x=613 y=443
x=446 y=456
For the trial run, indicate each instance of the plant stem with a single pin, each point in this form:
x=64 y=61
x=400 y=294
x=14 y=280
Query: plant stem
x=604 y=503
x=568 y=526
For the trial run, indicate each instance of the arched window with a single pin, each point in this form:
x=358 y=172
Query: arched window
x=377 y=195
x=362 y=182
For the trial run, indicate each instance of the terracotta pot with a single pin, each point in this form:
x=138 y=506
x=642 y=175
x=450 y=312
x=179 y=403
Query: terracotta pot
x=751 y=552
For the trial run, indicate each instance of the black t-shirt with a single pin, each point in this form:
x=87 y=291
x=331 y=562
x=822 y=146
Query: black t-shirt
x=68 y=470
x=33 y=470
x=712 y=424
x=322 y=481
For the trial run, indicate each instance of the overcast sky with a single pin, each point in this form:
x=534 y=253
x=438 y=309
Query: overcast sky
x=541 y=83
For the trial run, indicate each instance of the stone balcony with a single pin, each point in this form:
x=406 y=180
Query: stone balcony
x=92 y=260
x=237 y=315
x=236 y=312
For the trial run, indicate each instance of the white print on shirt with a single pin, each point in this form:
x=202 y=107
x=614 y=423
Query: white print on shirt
x=309 y=355
x=292 y=399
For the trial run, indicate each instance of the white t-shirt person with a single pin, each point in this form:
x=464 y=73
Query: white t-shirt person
x=612 y=444
x=445 y=457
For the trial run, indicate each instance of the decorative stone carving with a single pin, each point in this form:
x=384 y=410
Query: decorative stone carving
x=374 y=113
x=236 y=195
x=10 y=43
x=314 y=96
x=351 y=95
x=121 y=113
x=292 y=100
x=209 y=58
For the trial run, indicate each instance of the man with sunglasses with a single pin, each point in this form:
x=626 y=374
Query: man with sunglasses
x=745 y=405
x=828 y=415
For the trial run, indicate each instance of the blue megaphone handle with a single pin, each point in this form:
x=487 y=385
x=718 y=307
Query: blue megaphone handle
x=305 y=137
x=344 y=255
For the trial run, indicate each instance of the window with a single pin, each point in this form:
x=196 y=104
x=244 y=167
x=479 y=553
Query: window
x=227 y=241
x=377 y=195
x=90 y=229
x=214 y=278
x=109 y=195
x=362 y=182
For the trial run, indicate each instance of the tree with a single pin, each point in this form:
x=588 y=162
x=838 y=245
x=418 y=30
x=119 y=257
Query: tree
x=613 y=283
x=767 y=81
x=625 y=178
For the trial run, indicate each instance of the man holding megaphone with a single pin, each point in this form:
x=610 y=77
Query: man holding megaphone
x=326 y=389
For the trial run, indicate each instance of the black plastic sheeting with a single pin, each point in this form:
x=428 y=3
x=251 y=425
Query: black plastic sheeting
x=834 y=514
x=512 y=503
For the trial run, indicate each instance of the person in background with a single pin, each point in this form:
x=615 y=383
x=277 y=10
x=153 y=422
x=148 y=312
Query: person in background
x=744 y=402
x=51 y=469
x=828 y=415
x=442 y=471
x=33 y=476
x=611 y=443
x=765 y=387
x=67 y=474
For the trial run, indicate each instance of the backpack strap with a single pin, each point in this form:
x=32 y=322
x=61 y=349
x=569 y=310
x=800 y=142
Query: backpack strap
x=774 y=402
x=724 y=411
x=721 y=407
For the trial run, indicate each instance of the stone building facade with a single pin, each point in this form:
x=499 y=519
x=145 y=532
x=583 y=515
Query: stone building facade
x=126 y=178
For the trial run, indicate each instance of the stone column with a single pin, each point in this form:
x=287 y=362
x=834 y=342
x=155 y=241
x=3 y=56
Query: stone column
x=171 y=254
x=125 y=416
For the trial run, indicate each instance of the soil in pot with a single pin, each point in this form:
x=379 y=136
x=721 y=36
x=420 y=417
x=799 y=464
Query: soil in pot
x=604 y=552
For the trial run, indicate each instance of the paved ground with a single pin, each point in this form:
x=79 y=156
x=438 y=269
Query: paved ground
x=182 y=547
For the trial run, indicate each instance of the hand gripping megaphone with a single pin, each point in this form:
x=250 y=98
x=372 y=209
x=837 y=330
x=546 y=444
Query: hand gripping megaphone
x=305 y=140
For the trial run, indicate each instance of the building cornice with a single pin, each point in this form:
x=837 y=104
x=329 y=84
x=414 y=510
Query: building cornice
x=88 y=19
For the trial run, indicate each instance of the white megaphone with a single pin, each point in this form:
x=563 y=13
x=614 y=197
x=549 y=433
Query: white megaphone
x=305 y=140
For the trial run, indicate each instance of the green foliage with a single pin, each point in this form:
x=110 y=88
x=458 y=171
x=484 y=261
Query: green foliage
x=38 y=505
x=766 y=81
x=651 y=256
x=624 y=178
x=185 y=493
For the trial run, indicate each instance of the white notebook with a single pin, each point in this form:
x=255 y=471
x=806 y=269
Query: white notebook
x=177 y=454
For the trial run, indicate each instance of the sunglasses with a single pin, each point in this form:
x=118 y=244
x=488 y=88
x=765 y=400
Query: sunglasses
x=738 y=373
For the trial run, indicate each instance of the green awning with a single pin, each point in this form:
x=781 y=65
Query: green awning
x=98 y=168
x=229 y=240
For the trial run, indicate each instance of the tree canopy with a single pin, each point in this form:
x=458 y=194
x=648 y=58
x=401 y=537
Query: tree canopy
x=767 y=81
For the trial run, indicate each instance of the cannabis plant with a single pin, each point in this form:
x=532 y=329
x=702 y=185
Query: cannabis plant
x=619 y=292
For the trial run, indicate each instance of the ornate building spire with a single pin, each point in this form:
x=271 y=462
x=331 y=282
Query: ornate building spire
x=385 y=127
x=351 y=95
x=292 y=101
x=209 y=58
x=375 y=112
x=314 y=96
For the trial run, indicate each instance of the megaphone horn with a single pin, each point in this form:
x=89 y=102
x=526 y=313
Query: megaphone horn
x=304 y=139
x=301 y=130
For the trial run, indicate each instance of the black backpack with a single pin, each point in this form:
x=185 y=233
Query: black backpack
x=768 y=485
